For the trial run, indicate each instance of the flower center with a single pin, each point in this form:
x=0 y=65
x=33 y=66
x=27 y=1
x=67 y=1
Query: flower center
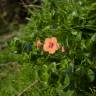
x=51 y=44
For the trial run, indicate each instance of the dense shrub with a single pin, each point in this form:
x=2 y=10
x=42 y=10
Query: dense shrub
x=67 y=72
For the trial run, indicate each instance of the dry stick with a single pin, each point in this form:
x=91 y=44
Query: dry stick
x=9 y=63
x=28 y=88
x=31 y=5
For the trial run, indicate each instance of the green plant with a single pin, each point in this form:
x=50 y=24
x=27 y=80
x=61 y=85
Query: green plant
x=71 y=73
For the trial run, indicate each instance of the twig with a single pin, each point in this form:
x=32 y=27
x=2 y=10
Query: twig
x=28 y=88
x=9 y=63
x=31 y=5
x=6 y=37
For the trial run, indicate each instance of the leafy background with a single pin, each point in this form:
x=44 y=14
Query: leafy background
x=27 y=71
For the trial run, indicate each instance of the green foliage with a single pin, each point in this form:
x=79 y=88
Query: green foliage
x=71 y=73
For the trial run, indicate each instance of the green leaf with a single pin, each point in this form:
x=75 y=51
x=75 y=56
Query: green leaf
x=93 y=38
x=69 y=93
x=66 y=81
x=91 y=75
x=74 y=33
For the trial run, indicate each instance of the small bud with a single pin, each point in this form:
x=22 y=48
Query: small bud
x=62 y=49
x=38 y=44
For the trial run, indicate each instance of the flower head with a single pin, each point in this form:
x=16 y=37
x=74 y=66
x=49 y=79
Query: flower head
x=51 y=45
x=38 y=44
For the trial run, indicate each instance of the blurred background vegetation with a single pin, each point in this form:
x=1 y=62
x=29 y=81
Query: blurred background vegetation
x=13 y=13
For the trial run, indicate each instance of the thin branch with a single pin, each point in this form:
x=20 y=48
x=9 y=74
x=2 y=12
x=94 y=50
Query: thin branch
x=9 y=63
x=30 y=5
x=33 y=6
x=28 y=87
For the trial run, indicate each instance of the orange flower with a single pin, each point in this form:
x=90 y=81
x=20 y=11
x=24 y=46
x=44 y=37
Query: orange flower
x=38 y=44
x=51 y=45
x=62 y=49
